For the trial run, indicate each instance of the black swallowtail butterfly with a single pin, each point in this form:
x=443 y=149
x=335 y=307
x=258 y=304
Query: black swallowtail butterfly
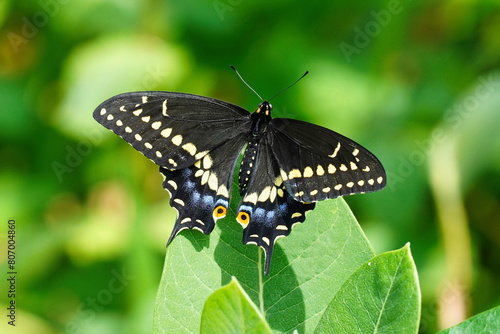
x=287 y=164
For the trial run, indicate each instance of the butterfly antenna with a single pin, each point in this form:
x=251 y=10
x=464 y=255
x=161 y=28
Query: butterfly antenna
x=253 y=90
x=303 y=75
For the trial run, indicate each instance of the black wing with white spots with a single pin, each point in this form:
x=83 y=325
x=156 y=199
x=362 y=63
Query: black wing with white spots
x=174 y=130
x=316 y=163
x=201 y=193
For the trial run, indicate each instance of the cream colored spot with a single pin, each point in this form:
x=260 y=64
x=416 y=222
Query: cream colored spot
x=366 y=169
x=223 y=191
x=204 y=178
x=278 y=181
x=313 y=193
x=252 y=198
x=320 y=171
x=177 y=140
x=119 y=123
x=172 y=162
x=201 y=223
x=137 y=112
x=361 y=182
x=353 y=166
x=331 y=169
x=173 y=184
x=179 y=201
x=158 y=154
x=296 y=215
x=380 y=179
x=207 y=162
x=197 y=164
x=164 y=108
x=110 y=117
x=284 y=176
x=334 y=154
x=199 y=173
x=138 y=137
x=343 y=168
x=272 y=197
x=350 y=184
x=190 y=148
x=146 y=119
x=355 y=152
x=266 y=240
x=371 y=182
x=148 y=145
x=264 y=195
x=299 y=194
x=165 y=133
x=282 y=228
x=128 y=130
x=338 y=187
x=294 y=173
x=308 y=172
x=156 y=125
x=200 y=155
x=280 y=192
x=144 y=99
x=326 y=190
x=122 y=108
x=103 y=111
x=212 y=182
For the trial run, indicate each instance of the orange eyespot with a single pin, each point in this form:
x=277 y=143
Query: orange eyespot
x=243 y=218
x=219 y=212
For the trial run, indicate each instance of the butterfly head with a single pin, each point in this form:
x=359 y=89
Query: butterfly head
x=264 y=108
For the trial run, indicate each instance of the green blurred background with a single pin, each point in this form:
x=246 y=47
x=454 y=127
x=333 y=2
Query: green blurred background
x=417 y=82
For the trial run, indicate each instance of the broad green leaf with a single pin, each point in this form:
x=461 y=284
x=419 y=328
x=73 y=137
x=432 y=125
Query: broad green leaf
x=307 y=269
x=487 y=322
x=230 y=310
x=382 y=296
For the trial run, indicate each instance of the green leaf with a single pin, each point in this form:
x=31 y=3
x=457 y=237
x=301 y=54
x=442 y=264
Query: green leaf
x=382 y=296
x=307 y=270
x=230 y=310
x=487 y=322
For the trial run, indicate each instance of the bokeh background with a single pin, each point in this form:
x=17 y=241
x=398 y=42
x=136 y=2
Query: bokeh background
x=417 y=82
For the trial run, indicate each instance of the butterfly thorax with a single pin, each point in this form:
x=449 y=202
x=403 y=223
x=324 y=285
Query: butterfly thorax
x=260 y=118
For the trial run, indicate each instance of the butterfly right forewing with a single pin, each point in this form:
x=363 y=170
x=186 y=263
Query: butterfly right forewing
x=317 y=163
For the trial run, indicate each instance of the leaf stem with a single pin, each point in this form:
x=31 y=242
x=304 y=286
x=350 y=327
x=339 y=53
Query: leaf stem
x=261 y=283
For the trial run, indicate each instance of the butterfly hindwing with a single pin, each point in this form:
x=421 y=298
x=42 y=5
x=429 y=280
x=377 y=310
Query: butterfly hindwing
x=174 y=130
x=201 y=193
x=267 y=211
x=316 y=163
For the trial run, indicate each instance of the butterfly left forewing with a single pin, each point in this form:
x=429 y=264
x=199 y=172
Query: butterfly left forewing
x=316 y=163
x=174 y=130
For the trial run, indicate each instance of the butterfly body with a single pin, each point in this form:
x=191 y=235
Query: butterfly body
x=287 y=165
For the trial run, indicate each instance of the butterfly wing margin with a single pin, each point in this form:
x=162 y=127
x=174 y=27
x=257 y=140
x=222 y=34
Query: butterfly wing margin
x=317 y=163
x=201 y=193
x=173 y=130
x=267 y=211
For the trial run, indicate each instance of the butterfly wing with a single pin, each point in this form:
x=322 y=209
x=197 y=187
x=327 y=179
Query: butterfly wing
x=196 y=141
x=201 y=193
x=316 y=163
x=174 y=130
x=267 y=211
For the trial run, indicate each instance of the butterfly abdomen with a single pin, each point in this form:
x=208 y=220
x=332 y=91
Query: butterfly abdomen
x=247 y=165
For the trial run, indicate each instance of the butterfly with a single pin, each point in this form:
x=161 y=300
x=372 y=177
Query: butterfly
x=287 y=164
